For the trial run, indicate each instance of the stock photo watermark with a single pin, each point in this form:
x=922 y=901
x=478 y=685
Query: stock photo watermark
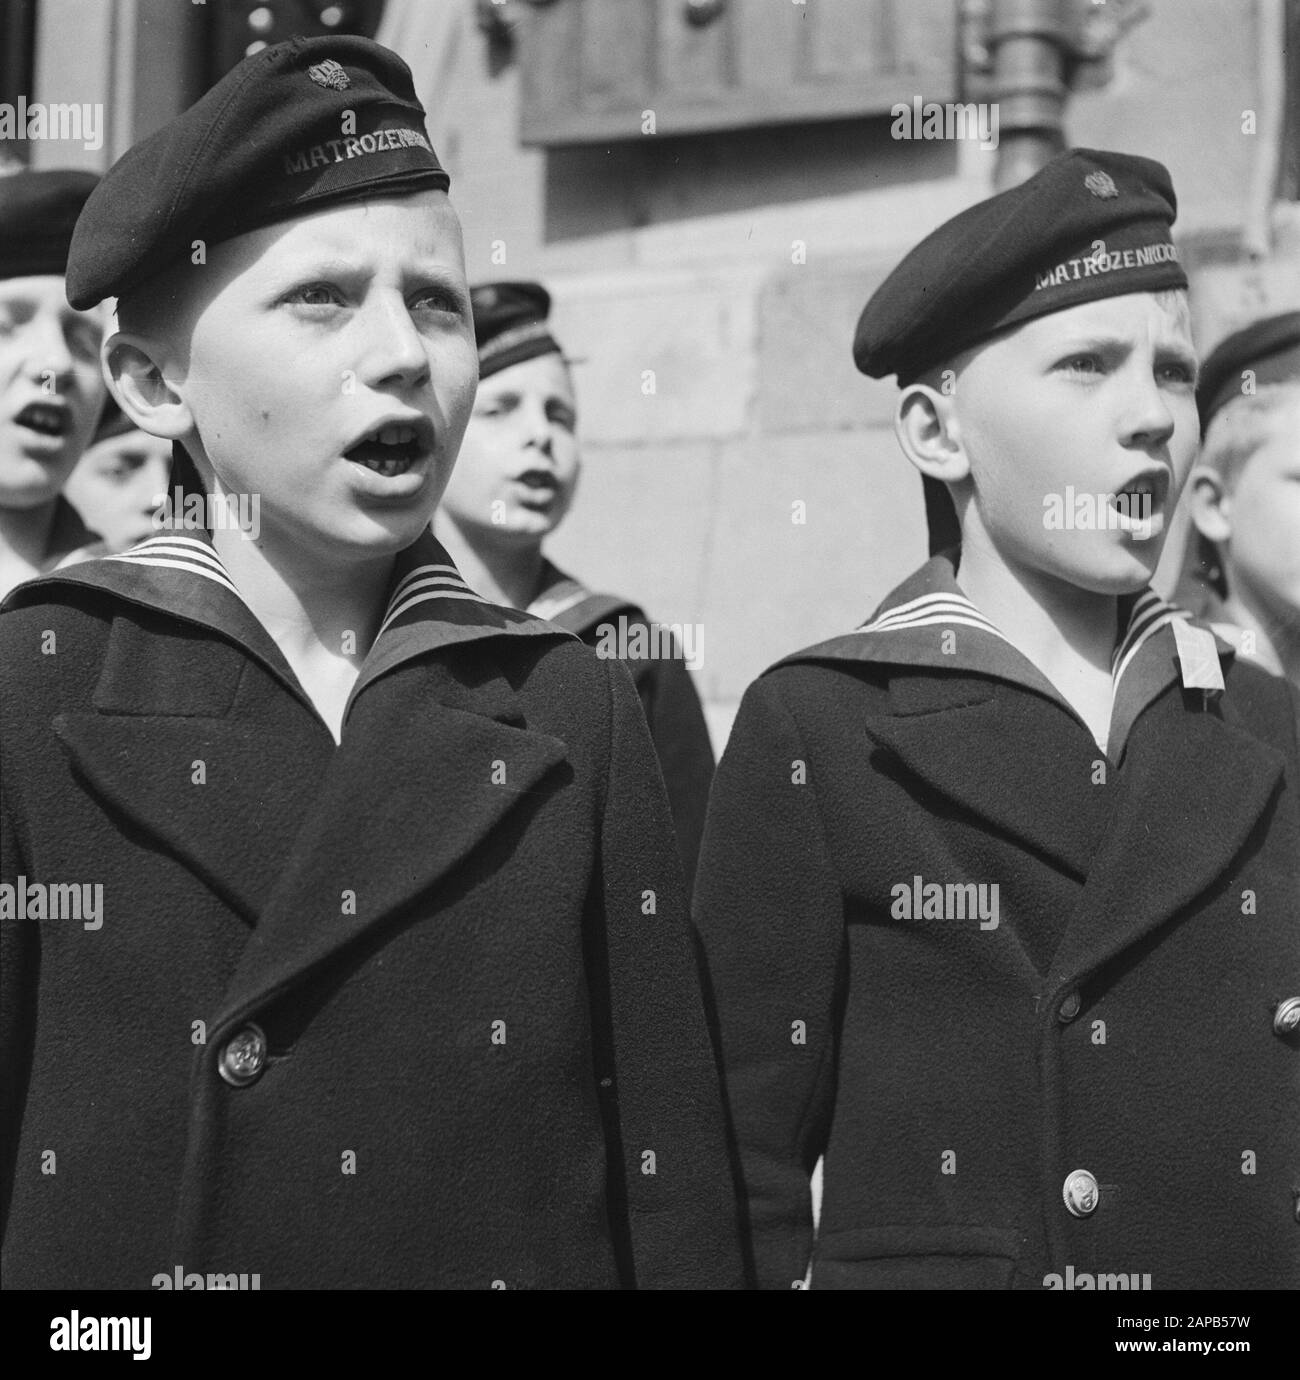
x=82 y=901
x=60 y=122
x=180 y=511
x=1129 y=511
x=632 y=640
x=972 y=121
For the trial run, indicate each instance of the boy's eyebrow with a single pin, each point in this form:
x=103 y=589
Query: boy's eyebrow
x=327 y=265
x=1114 y=344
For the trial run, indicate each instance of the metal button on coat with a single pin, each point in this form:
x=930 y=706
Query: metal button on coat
x=244 y=1057
x=1080 y=1192
x=1069 y=1008
x=1286 y=1018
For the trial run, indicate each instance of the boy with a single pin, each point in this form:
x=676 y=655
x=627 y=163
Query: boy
x=119 y=481
x=511 y=489
x=51 y=389
x=378 y=973
x=999 y=892
x=1245 y=493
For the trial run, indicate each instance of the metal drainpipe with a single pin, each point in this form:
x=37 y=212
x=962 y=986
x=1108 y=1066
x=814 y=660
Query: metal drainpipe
x=1027 y=41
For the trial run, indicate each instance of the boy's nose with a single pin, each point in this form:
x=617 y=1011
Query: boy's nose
x=49 y=356
x=395 y=350
x=537 y=427
x=1147 y=420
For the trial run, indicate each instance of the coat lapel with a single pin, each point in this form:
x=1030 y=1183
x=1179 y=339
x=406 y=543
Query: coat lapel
x=959 y=737
x=1154 y=862
x=272 y=843
x=450 y=778
x=978 y=726
x=235 y=826
x=171 y=746
x=371 y=842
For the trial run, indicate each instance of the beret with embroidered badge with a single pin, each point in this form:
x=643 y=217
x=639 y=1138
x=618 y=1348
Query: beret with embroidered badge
x=37 y=213
x=292 y=128
x=510 y=324
x=1269 y=349
x=1089 y=224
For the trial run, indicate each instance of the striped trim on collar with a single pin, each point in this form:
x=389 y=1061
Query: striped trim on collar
x=198 y=557
x=551 y=608
x=420 y=585
x=932 y=610
x=569 y=604
x=557 y=592
x=1148 y=615
x=913 y=629
x=191 y=554
x=430 y=607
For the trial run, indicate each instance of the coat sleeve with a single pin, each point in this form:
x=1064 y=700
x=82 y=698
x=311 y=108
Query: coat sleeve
x=769 y=914
x=681 y=738
x=19 y=952
x=676 y=1196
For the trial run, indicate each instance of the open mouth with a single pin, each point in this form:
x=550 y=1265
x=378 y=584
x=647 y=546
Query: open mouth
x=392 y=448
x=538 y=479
x=46 y=419
x=1143 y=494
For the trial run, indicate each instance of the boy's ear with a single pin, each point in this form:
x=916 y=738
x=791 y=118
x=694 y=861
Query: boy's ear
x=1210 y=504
x=141 y=389
x=928 y=431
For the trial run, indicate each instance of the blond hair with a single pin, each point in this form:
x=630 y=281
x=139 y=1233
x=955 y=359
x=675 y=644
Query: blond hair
x=1241 y=426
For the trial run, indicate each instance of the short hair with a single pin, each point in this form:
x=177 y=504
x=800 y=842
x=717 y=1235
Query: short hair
x=1177 y=301
x=156 y=306
x=1241 y=426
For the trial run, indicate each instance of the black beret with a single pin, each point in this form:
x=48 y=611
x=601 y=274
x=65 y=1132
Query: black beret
x=292 y=128
x=37 y=213
x=1270 y=349
x=510 y=324
x=1087 y=225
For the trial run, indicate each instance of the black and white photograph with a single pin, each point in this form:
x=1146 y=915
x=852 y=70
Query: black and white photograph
x=650 y=645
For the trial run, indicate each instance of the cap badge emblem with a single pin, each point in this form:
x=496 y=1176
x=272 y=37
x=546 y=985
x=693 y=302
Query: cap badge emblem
x=330 y=75
x=1101 y=185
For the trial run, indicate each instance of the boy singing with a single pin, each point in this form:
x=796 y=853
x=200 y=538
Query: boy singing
x=999 y=891
x=392 y=983
x=51 y=391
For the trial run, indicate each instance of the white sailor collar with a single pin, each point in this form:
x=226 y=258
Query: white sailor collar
x=567 y=602
x=180 y=574
x=929 y=622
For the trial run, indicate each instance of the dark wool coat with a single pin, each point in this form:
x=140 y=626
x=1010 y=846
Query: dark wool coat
x=1124 y=1017
x=668 y=696
x=461 y=932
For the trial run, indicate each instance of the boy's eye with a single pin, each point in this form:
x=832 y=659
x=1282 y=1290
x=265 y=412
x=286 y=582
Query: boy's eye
x=13 y=315
x=314 y=295
x=500 y=406
x=439 y=299
x=1178 y=373
x=1082 y=364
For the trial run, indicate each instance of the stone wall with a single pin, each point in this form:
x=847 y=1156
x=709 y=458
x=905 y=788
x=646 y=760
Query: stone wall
x=733 y=267
x=758 y=490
